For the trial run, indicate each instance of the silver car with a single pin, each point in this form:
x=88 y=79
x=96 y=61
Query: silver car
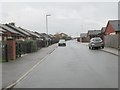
x=96 y=42
x=62 y=42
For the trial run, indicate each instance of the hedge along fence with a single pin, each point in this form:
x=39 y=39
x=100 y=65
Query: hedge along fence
x=30 y=45
x=27 y=46
x=22 y=47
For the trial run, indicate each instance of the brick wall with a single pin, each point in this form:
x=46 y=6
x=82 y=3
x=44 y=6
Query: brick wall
x=109 y=29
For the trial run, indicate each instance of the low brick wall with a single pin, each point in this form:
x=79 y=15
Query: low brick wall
x=111 y=41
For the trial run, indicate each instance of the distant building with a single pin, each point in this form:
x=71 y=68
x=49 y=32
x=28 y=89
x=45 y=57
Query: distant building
x=83 y=37
x=93 y=33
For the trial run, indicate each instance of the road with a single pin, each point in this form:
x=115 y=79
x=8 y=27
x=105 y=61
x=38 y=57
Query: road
x=74 y=66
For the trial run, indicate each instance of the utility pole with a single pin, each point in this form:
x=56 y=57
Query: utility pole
x=47 y=26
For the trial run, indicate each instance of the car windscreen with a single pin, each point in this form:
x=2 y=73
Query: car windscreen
x=97 y=40
x=62 y=41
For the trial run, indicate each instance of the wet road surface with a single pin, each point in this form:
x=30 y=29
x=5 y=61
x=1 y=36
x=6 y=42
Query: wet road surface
x=74 y=66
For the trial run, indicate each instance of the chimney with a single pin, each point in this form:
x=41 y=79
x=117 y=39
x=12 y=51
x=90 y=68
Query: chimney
x=12 y=23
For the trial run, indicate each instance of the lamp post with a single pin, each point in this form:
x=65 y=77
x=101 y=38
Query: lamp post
x=47 y=23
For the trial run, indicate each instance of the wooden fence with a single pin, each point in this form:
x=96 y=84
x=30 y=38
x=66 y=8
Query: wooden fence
x=111 y=41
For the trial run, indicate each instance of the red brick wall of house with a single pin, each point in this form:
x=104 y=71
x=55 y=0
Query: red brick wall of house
x=109 y=29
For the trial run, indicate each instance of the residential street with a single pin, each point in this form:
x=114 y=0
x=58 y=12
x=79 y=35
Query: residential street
x=74 y=66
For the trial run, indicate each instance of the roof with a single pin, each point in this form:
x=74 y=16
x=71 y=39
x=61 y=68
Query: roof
x=34 y=34
x=2 y=30
x=103 y=29
x=94 y=32
x=18 y=29
x=38 y=34
x=6 y=28
x=30 y=32
x=45 y=35
x=83 y=35
x=52 y=36
x=115 y=24
x=63 y=34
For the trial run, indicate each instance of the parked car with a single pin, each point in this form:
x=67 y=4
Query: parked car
x=78 y=39
x=62 y=42
x=96 y=42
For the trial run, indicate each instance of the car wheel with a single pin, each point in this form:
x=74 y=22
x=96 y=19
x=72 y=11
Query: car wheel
x=92 y=48
x=89 y=47
x=102 y=46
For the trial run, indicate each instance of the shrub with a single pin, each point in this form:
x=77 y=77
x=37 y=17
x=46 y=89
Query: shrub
x=31 y=46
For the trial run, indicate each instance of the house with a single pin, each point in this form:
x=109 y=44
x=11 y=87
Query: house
x=62 y=36
x=93 y=33
x=103 y=33
x=112 y=34
x=53 y=38
x=8 y=32
x=46 y=38
x=17 y=29
x=103 y=30
x=83 y=37
x=113 y=27
x=41 y=37
x=32 y=34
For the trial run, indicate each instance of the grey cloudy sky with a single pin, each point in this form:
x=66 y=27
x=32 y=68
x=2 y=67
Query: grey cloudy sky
x=72 y=18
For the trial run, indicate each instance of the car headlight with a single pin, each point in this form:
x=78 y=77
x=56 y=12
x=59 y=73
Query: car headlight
x=93 y=44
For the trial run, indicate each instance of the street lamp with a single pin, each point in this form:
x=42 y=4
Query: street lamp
x=47 y=23
x=47 y=26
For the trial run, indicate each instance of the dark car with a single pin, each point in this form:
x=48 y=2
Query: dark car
x=62 y=42
x=96 y=42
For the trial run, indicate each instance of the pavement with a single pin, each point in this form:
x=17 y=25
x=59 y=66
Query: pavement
x=111 y=50
x=14 y=70
x=107 y=49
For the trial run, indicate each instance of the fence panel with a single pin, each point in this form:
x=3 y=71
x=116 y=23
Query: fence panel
x=111 y=41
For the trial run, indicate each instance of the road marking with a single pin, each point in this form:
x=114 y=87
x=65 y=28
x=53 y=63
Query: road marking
x=28 y=72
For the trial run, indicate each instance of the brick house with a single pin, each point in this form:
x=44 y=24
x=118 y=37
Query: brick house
x=113 y=27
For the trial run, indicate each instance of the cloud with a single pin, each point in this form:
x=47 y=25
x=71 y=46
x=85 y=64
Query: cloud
x=71 y=18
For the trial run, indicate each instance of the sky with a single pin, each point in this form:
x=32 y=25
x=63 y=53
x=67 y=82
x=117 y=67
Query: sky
x=72 y=18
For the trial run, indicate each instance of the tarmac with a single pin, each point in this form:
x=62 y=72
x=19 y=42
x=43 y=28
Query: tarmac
x=13 y=70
